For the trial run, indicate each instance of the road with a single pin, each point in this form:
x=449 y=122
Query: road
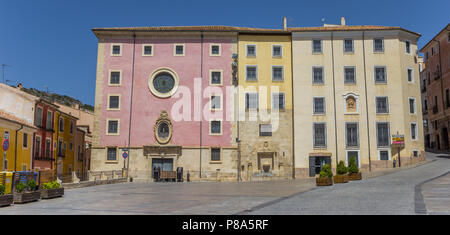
x=394 y=193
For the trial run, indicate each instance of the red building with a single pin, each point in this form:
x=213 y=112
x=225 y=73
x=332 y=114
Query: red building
x=43 y=146
x=436 y=89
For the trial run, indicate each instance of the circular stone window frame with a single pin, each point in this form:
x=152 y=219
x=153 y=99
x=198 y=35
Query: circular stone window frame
x=156 y=92
x=163 y=118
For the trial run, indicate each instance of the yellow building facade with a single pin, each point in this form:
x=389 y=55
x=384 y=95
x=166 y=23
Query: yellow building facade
x=20 y=135
x=64 y=139
x=265 y=105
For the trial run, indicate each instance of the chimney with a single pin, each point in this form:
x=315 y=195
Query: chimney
x=342 y=21
x=285 y=23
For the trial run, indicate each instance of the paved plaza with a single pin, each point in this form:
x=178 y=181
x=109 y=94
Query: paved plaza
x=393 y=193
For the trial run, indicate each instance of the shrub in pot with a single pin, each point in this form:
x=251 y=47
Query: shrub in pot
x=5 y=199
x=353 y=171
x=23 y=196
x=341 y=171
x=325 y=177
x=51 y=190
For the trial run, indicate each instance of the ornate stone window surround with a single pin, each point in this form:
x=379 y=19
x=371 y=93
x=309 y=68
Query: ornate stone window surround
x=356 y=97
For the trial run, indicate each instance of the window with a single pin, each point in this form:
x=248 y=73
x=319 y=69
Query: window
x=319 y=135
x=216 y=78
x=432 y=51
x=115 y=78
x=147 y=50
x=353 y=154
x=265 y=130
x=378 y=45
x=415 y=153
x=448 y=37
x=413 y=131
x=382 y=105
x=116 y=49
x=251 y=73
x=113 y=126
x=352 y=138
x=49 y=120
x=447 y=97
x=71 y=127
x=61 y=124
x=38 y=146
x=25 y=140
x=114 y=102
x=251 y=101
x=71 y=145
x=215 y=50
x=380 y=75
x=48 y=148
x=317 y=46
x=179 y=50
x=412 y=105
x=277 y=51
x=383 y=134
x=39 y=116
x=425 y=105
x=251 y=50
x=318 y=75
x=61 y=152
x=318 y=105
x=216 y=127
x=216 y=102
x=277 y=73
x=215 y=154
x=408 y=47
x=348 y=45
x=278 y=101
x=349 y=75
x=384 y=155
x=112 y=154
x=426 y=56
x=410 y=75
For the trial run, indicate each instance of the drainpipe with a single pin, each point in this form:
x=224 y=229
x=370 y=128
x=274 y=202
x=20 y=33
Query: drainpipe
x=367 y=103
x=334 y=99
x=201 y=101
x=293 y=107
x=15 y=149
x=131 y=104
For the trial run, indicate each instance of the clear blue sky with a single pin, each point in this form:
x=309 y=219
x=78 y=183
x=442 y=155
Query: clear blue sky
x=49 y=42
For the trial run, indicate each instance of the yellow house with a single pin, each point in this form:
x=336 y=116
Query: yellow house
x=265 y=105
x=20 y=135
x=64 y=139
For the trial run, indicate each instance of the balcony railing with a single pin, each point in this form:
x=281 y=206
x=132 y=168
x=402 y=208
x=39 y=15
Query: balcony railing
x=46 y=156
x=435 y=110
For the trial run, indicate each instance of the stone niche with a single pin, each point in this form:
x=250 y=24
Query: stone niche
x=351 y=103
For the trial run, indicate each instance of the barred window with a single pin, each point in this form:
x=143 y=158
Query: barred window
x=251 y=100
x=277 y=73
x=319 y=135
x=251 y=50
x=215 y=154
x=349 y=73
x=378 y=45
x=352 y=138
x=278 y=101
x=383 y=134
x=318 y=75
x=380 y=75
x=252 y=73
x=382 y=105
x=317 y=46
x=113 y=102
x=319 y=105
x=276 y=51
x=348 y=45
x=114 y=78
x=265 y=130
x=112 y=154
x=216 y=127
x=113 y=126
x=384 y=155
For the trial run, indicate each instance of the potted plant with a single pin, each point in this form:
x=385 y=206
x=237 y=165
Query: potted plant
x=353 y=171
x=5 y=199
x=26 y=192
x=326 y=176
x=51 y=190
x=341 y=176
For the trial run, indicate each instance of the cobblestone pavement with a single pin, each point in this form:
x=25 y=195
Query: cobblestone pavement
x=164 y=198
x=388 y=194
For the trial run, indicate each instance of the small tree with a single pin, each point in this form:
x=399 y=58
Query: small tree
x=2 y=189
x=326 y=171
x=341 y=168
x=31 y=185
x=352 y=167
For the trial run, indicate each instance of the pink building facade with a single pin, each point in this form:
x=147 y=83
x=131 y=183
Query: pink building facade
x=162 y=98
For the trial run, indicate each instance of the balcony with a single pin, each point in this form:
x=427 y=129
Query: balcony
x=435 y=110
x=47 y=156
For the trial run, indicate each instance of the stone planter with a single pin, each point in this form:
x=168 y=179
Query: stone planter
x=324 y=181
x=52 y=193
x=20 y=198
x=355 y=176
x=340 y=179
x=6 y=200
